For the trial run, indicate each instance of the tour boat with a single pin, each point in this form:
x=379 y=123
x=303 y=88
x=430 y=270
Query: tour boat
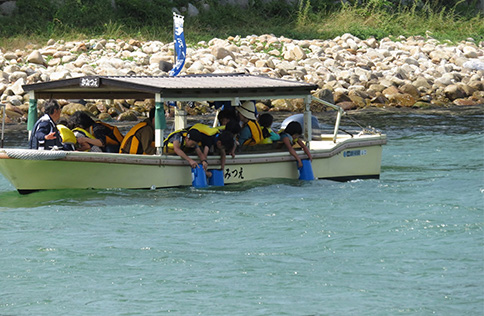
x=335 y=155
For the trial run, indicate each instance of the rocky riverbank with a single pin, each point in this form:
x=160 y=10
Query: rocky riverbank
x=350 y=72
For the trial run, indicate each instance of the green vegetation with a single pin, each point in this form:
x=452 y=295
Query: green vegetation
x=37 y=21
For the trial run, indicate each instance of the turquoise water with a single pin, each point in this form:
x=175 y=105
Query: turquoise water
x=410 y=243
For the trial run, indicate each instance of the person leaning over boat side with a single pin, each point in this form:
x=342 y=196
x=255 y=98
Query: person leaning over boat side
x=182 y=141
x=290 y=136
x=81 y=124
x=211 y=140
x=141 y=137
x=251 y=133
x=265 y=121
x=45 y=135
x=109 y=134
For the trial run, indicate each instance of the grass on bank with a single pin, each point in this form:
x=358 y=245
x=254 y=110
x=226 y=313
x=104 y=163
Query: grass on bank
x=302 y=22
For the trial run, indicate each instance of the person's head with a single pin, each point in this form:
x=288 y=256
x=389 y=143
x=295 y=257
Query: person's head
x=193 y=138
x=63 y=121
x=265 y=120
x=294 y=129
x=52 y=108
x=225 y=116
x=247 y=111
x=81 y=119
x=233 y=126
x=226 y=141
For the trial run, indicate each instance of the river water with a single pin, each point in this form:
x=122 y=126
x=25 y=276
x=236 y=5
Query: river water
x=410 y=243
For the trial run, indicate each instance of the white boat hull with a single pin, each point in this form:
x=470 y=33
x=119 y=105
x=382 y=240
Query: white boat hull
x=348 y=158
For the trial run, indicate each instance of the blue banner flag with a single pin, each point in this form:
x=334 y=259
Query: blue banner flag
x=180 y=46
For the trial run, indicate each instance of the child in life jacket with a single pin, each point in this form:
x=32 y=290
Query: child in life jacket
x=251 y=133
x=265 y=122
x=202 y=139
x=81 y=123
x=290 y=136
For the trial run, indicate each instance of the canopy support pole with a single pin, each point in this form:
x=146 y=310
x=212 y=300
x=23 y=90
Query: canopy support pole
x=180 y=117
x=160 y=123
x=32 y=116
x=307 y=128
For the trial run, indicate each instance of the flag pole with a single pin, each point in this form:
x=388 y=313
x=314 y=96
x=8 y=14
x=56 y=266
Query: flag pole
x=174 y=39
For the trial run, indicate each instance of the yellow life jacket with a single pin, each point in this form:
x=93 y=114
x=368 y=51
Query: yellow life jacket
x=205 y=129
x=168 y=146
x=67 y=135
x=202 y=128
x=114 y=137
x=83 y=131
x=266 y=140
x=134 y=146
x=256 y=133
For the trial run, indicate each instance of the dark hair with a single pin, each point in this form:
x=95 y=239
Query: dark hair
x=227 y=140
x=151 y=115
x=81 y=119
x=293 y=128
x=226 y=114
x=233 y=127
x=194 y=135
x=51 y=106
x=63 y=121
x=265 y=120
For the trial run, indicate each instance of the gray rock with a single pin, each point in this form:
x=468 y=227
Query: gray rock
x=8 y=7
x=36 y=58
x=453 y=92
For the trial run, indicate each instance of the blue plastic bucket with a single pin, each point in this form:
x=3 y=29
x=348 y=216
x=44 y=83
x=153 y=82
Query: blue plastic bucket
x=217 y=178
x=199 y=179
x=306 y=171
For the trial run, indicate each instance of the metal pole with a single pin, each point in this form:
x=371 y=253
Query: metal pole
x=308 y=129
x=174 y=40
x=160 y=123
x=341 y=112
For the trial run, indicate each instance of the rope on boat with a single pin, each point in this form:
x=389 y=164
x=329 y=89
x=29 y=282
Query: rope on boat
x=26 y=154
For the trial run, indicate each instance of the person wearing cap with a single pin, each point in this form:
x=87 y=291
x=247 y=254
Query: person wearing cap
x=251 y=133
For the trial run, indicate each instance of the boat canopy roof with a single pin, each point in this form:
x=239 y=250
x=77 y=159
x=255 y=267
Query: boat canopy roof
x=206 y=87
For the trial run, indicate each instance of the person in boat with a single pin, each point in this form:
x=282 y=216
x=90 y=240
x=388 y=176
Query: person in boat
x=290 y=136
x=69 y=140
x=141 y=138
x=45 y=135
x=225 y=116
x=265 y=122
x=109 y=135
x=212 y=141
x=185 y=141
x=82 y=124
x=251 y=133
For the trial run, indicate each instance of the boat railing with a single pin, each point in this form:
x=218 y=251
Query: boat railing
x=340 y=110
